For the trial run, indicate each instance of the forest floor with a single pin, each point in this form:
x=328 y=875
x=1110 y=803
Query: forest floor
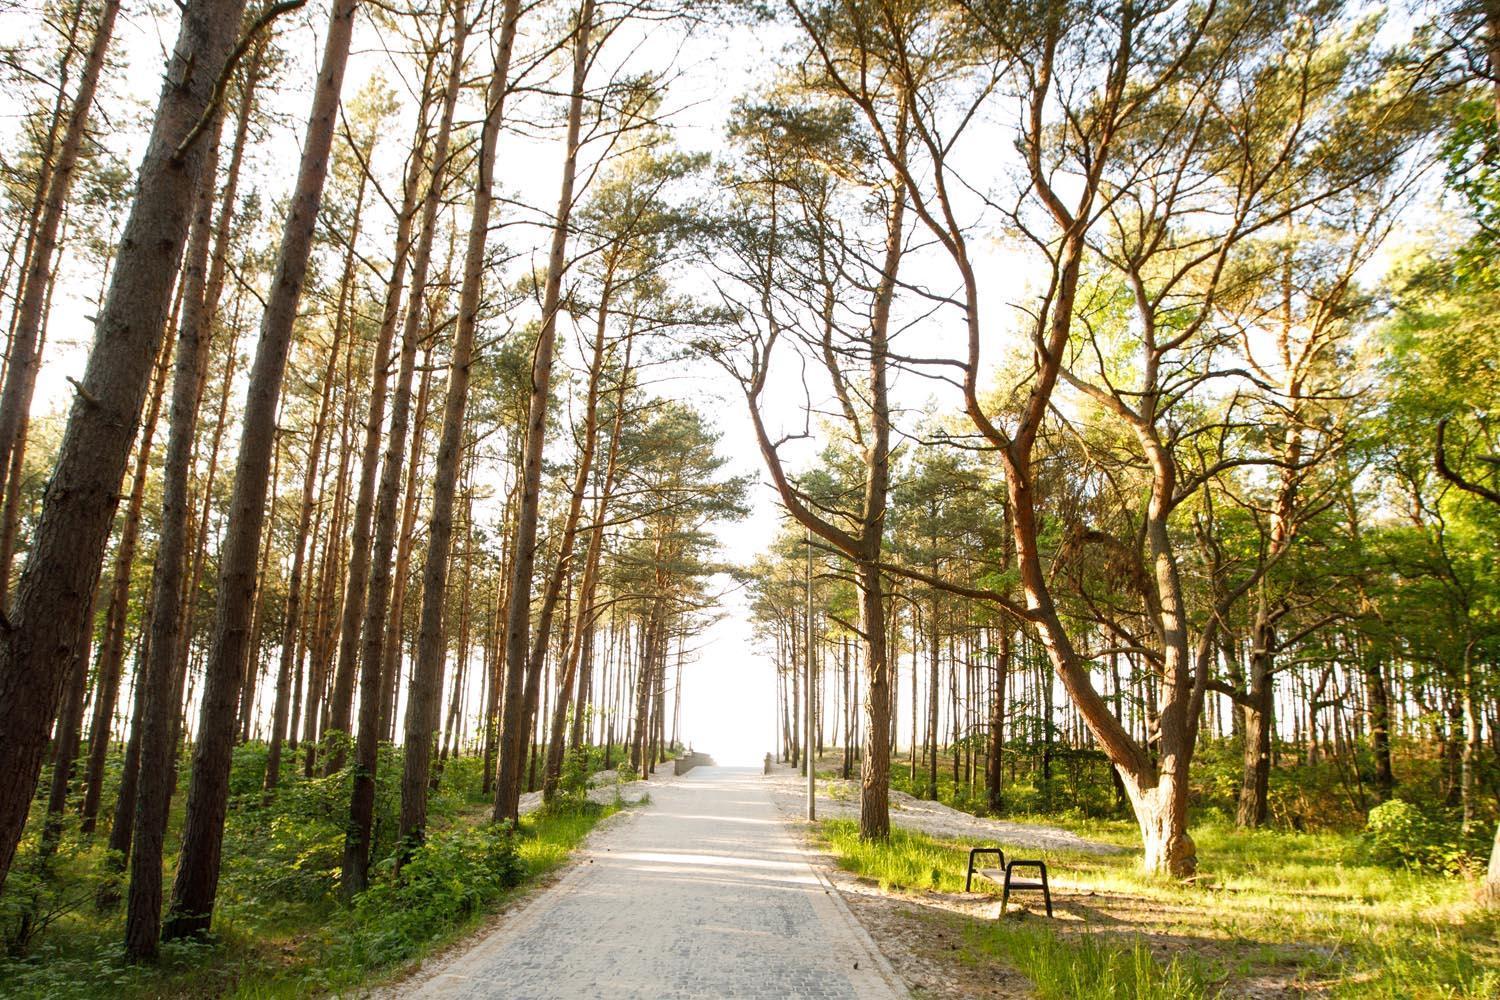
x=1273 y=914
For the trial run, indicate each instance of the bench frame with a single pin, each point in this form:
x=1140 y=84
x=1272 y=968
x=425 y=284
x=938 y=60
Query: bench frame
x=1008 y=882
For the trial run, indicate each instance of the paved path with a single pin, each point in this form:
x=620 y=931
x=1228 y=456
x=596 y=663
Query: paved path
x=704 y=893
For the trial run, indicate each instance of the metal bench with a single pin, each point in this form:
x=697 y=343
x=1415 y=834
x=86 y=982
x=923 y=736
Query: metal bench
x=1004 y=876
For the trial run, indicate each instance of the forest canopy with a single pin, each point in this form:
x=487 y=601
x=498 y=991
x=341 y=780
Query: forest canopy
x=1090 y=407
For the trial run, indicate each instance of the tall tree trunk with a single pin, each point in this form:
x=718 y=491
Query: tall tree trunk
x=358 y=605
x=57 y=584
x=165 y=618
x=252 y=669
x=1472 y=738
x=583 y=624
x=863 y=548
x=431 y=645
x=518 y=620
x=1259 y=724
x=196 y=885
x=394 y=628
x=309 y=484
x=357 y=581
x=26 y=230
x=1380 y=723
x=112 y=655
x=934 y=683
x=66 y=743
x=875 y=769
x=995 y=771
x=518 y=624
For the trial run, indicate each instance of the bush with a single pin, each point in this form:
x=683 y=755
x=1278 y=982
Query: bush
x=1398 y=833
x=448 y=879
x=247 y=770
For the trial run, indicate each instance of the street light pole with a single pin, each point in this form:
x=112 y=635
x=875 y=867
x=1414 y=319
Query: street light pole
x=807 y=656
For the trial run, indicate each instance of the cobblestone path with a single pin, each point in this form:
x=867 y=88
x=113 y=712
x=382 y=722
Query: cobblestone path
x=703 y=893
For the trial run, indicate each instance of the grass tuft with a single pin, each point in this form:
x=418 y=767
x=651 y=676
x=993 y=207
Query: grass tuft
x=1090 y=965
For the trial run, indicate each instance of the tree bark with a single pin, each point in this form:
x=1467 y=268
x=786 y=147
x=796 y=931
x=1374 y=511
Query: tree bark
x=65 y=744
x=583 y=625
x=57 y=584
x=1380 y=723
x=357 y=583
x=112 y=655
x=165 y=618
x=196 y=885
x=394 y=627
x=358 y=605
x=518 y=618
x=427 y=671
x=1259 y=725
x=995 y=771
x=933 y=687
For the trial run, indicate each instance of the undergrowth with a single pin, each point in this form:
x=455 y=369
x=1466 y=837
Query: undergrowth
x=280 y=929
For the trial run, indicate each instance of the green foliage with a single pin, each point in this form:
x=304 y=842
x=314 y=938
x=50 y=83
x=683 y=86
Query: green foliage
x=1398 y=833
x=905 y=860
x=39 y=894
x=281 y=930
x=572 y=782
x=247 y=768
x=448 y=879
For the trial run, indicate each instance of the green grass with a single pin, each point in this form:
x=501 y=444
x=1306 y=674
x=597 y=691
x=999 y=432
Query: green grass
x=906 y=861
x=280 y=929
x=1091 y=966
x=1306 y=908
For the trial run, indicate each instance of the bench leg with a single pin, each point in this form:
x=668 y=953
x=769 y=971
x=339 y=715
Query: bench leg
x=1004 y=897
x=969 y=878
x=1047 y=894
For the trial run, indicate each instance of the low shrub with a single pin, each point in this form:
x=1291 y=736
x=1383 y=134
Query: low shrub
x=450 y=878
x=1399 y=834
